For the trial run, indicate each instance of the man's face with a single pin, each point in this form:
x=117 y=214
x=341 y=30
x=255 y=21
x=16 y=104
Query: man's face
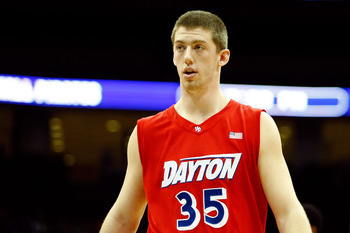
x=195 y=57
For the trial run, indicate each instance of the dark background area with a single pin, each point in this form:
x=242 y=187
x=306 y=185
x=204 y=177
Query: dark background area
x=290 y=43
x=61 y=169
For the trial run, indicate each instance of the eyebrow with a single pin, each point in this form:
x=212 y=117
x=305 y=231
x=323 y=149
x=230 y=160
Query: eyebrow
x=192 y=42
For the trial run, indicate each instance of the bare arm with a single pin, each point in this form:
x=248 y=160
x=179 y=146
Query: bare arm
x=276 y=181
x=127 y=211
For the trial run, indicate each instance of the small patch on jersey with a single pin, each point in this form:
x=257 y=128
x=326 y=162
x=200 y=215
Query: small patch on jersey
x=234 y=135
x=197 y=129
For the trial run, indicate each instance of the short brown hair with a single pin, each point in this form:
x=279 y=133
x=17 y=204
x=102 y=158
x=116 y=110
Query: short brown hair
x=207 y=21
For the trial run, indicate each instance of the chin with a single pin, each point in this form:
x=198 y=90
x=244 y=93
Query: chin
x=191 y=85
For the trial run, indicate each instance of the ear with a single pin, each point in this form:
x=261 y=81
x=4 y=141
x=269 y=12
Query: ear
x=224 y=57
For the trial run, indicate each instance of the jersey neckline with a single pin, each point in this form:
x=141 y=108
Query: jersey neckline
x=204 y=126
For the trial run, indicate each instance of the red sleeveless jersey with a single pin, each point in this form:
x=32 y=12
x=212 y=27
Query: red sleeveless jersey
x=203 y=178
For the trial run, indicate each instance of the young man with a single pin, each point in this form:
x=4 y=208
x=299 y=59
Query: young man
x=208 y=163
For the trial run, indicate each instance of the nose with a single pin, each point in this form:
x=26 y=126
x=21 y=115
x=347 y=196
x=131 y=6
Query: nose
x=188 y=56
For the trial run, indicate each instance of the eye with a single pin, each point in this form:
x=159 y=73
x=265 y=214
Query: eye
x=199 y=47
x=180 y=47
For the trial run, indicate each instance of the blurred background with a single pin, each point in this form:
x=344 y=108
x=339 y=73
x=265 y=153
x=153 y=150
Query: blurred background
x=61 y=169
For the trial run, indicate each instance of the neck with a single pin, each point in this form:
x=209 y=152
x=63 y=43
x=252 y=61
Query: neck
x=198 y=107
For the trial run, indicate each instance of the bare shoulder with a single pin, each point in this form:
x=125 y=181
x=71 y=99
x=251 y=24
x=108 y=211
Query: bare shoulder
x=269 y=135
x=134 y=162
x=267 y=122
x=133 y=150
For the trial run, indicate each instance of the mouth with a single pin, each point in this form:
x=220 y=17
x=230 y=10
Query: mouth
x=189 y=73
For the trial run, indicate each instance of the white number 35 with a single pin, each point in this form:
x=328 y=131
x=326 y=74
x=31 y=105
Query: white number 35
x=211 y=203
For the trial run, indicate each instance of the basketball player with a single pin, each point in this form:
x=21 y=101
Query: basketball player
x=208 y=163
